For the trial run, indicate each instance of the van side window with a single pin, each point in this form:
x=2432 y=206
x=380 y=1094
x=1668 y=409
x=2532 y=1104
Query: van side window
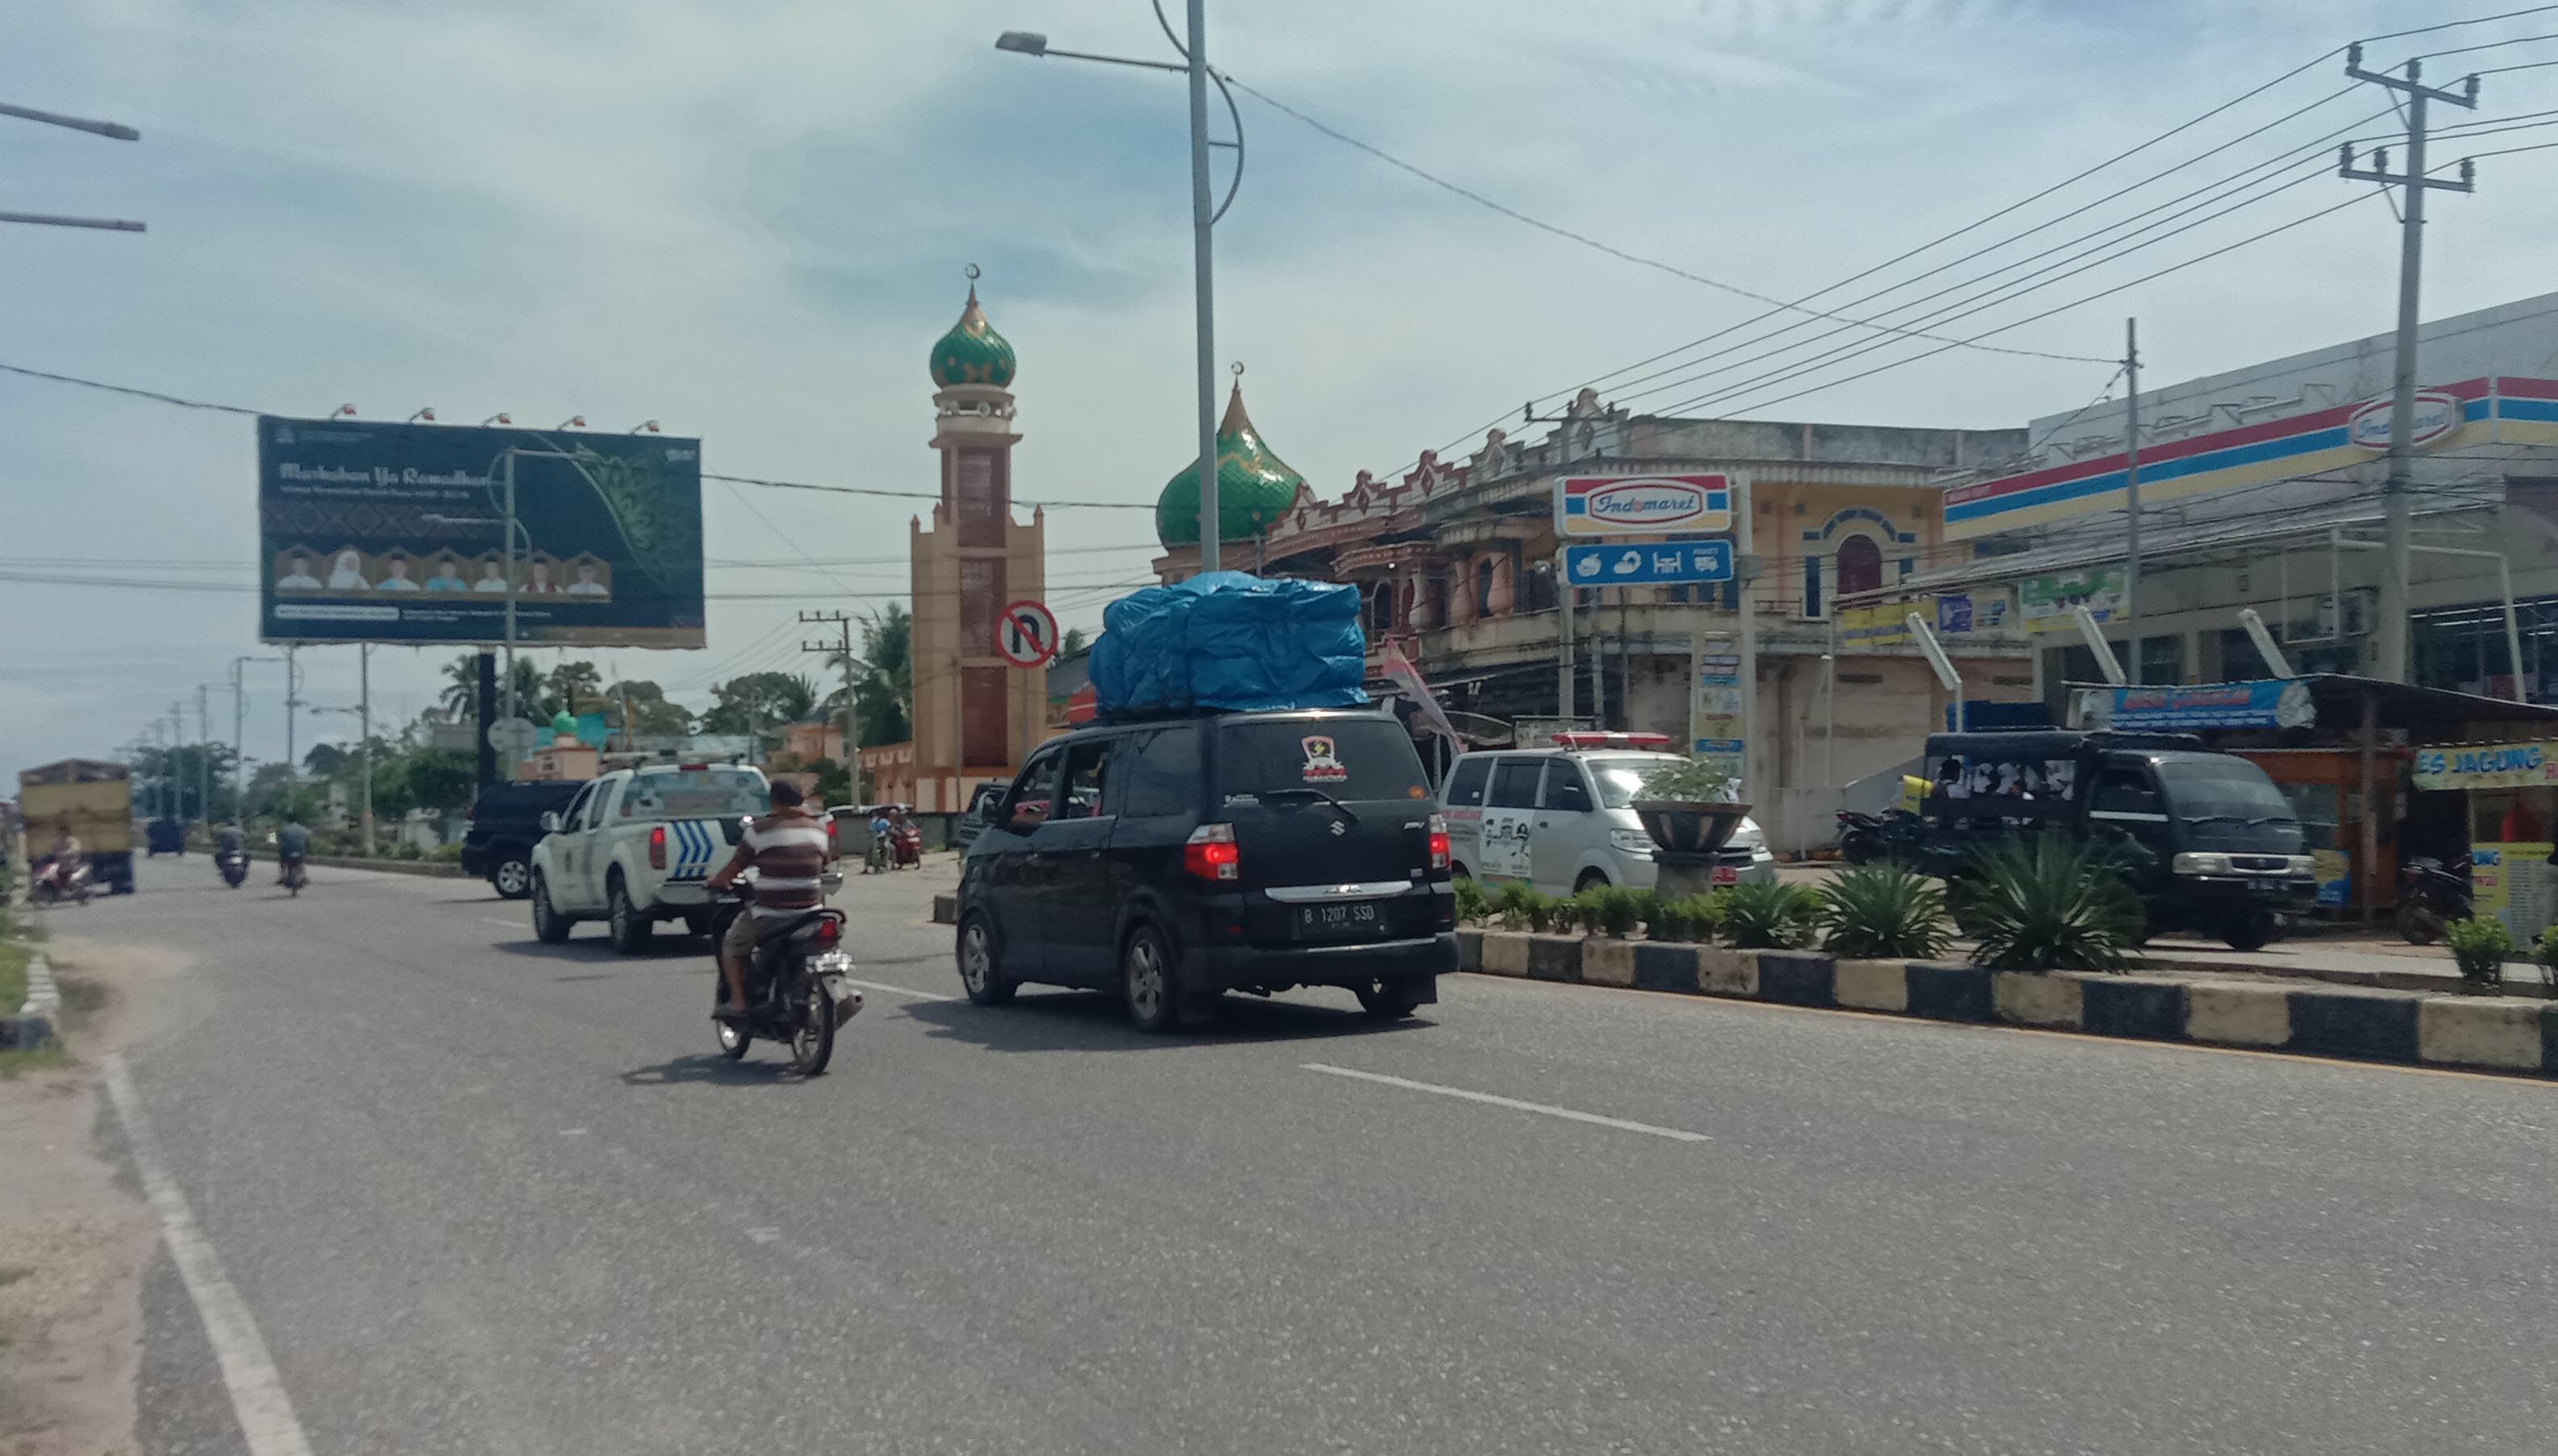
x=2124 y=791
x=1465 y=786
x=1514 y=784
x=1087 y=766
x=1564 y=788
x=1157 y=773
x=1038 y=782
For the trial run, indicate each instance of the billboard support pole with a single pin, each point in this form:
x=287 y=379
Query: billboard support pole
x=485 y=712
x=365 y=733
x=509 y=688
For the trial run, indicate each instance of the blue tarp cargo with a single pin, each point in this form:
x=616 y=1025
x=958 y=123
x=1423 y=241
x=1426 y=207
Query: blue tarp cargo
x=1231 y=640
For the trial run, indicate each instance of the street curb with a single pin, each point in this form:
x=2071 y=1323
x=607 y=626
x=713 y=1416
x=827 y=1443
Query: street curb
x=945 y=910
x=2414 y=1028
x=436 y=868
x=33 y=1022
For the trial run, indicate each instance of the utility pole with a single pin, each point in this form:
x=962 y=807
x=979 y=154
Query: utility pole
x=1202 y=231
x=292 y=702
x=205 y=758
x=365 y=733
x=2132 y=489
x=2414 y=183
x=239 y=738
x=843 y=647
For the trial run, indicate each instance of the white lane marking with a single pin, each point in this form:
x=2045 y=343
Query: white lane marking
x=921 y=996
x=1514 y=1104
x=265 y=1412
x=510 y=924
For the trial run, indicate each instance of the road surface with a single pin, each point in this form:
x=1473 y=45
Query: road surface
x=469 y=1193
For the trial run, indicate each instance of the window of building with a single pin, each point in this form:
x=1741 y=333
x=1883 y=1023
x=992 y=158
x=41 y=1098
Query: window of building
x=1860 y=564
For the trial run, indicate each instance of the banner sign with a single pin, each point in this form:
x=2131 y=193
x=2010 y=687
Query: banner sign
x=1641 y=566
x=2264 y=702
x=373 y=532
x=2047 y=602
x=1641 y=505
x=1886 y=624
x=2504 y=408
x=2488 y=766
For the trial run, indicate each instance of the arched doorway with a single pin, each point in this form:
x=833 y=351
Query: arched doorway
x=1860 y=564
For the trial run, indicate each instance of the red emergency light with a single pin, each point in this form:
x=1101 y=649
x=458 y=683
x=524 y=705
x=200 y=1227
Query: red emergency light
x=1652 y=742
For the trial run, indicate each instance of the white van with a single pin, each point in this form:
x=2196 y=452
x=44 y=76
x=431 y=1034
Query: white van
x=1562 y=819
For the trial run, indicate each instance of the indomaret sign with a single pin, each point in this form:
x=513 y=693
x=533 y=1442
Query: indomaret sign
x=1641 y=505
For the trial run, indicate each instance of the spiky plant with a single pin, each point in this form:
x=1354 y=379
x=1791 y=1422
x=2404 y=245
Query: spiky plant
x=1772 y=915
x=2048 y=904
x=1883 y=912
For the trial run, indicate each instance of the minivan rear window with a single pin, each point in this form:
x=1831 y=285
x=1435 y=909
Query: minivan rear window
x=1358 y=758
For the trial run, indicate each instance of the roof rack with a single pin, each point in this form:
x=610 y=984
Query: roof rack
x=1581 y=741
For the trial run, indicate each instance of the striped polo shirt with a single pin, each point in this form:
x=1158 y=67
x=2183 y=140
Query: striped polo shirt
x=788 y=851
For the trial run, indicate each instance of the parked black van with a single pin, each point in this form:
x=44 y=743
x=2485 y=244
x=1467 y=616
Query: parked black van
x=2206 y=839
x=1177 y=859
x=504 y=823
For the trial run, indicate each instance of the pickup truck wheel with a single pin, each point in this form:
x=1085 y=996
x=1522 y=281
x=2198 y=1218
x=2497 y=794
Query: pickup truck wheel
x=630 y=929
x=550 y=927
x=512 y=876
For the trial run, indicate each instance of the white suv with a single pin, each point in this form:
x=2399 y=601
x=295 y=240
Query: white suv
x=1562 y=819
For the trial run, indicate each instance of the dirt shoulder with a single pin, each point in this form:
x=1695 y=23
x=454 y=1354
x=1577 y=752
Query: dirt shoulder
x=74 y=1243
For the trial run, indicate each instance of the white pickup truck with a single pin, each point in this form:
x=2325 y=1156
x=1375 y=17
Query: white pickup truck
x=634 y=845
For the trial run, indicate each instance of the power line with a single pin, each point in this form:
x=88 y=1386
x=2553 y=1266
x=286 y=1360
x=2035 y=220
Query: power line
x=1610 y=249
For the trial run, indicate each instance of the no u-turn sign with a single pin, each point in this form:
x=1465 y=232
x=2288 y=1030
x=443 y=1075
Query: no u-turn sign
x=1027 y=636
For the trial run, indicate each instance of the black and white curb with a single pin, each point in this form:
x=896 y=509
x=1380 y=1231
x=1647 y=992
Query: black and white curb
x=34 y=1021
x=2496 y=1033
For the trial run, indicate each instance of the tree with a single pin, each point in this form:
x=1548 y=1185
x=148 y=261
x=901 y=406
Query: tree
x=175 y=777
x=884 y=680
x=760 y=702
x=648 y=708
x=327 y=759
x=533 y=698
x=577 y=686
x=1072 y=644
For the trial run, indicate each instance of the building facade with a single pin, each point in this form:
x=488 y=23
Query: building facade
x=1457 y=563
x=975 y=715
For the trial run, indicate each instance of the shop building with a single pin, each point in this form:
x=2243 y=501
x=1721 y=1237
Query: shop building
x=1456 y=562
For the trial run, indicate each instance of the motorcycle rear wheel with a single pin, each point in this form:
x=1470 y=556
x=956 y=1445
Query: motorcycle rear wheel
x=2419 y=926
x=734 y=1041
x=812 y=1035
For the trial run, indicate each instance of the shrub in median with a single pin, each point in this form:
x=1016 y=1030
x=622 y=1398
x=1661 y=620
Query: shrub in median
x=1883 y=912
x=2481 y=945
x=2048 y=904
x=1474 y=907
x=1770 y=916
x=1686 y=918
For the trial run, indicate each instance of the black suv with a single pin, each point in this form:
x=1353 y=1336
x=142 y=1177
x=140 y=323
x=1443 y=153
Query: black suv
x=1178 y=859
x=504 y=824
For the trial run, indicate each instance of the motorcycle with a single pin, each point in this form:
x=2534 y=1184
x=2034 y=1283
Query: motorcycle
x=233 y=864
x=905 y=847
x=2432 y=894
x=294 y=877
x=1863 y=838
x=797 y=989
x=56 y=882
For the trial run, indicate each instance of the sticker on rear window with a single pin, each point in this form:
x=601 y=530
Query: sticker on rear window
x=1323 y=761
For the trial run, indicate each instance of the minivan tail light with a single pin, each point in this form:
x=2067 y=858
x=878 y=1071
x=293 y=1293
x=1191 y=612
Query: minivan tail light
x=657 y=846
x=1438 y=843
x=1212 y=853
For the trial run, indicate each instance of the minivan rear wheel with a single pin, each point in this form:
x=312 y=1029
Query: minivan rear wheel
x=1387 y=998
x=1146 y=982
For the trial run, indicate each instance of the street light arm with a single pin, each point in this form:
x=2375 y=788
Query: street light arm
x=1237 y=115
x=112 y=131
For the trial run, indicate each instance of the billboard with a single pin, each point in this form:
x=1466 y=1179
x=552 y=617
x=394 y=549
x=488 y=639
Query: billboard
x=373 y=532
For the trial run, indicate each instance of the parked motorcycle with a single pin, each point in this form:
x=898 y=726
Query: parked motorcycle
x=797 y=989
x=2431 y=895
x=234 y=864
x=1864 y=837
x=56 y=882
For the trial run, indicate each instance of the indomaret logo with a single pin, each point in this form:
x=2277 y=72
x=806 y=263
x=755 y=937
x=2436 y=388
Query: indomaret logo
x=2437 y=415
x=1605 y=505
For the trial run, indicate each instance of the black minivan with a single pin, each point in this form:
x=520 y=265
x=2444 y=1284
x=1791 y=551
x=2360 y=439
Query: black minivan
x=1177 y=859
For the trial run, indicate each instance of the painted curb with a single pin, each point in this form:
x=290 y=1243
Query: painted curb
x=434 y=868
x=945 y=910
x=2505 y=1034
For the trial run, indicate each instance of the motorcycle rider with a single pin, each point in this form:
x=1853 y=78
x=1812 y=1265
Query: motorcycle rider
x=788 y=850
x=292 y=843
x=67 y=856
x=228 y=839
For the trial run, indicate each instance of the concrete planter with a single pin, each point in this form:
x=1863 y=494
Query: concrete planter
x=1504 y=953
x=2036 y=999
x=1871 y=986
x=1607 y=962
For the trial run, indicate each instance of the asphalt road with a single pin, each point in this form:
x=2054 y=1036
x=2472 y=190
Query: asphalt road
x=482 y=1195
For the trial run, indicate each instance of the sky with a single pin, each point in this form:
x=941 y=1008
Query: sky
x=748 y=221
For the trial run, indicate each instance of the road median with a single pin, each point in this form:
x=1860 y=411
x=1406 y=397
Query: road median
x=2501 y=1033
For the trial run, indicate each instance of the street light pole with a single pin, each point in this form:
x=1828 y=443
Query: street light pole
x=1203 y=248
x=365 y=733
x=1203 y=218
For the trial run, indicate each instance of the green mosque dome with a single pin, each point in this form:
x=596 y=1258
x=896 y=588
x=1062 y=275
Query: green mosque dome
x=1255 y=487
x=972 y=353
x=564 y=721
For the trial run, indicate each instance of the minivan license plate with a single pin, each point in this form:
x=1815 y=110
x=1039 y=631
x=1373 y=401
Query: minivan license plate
x=1344 y=920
